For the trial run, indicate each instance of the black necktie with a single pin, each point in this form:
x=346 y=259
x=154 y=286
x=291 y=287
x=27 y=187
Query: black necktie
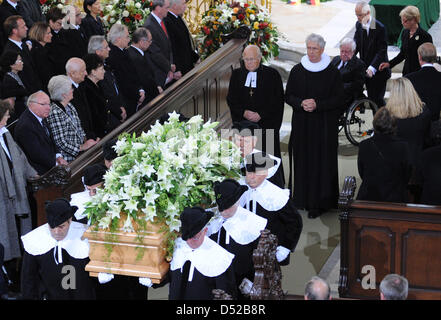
x=364 y=43
x=45 y=126
x=184 y=279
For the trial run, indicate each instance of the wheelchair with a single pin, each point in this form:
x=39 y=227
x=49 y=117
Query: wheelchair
x=357 y=120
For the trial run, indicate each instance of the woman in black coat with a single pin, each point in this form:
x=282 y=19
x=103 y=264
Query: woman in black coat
x=411 y=38
x=40 y=35
x=384 y=162
x=92 y=24
x=12 y=86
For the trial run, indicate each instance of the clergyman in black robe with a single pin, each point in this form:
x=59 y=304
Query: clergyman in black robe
x=199 y=264
x=236 y=229
x=55 y=258
x=272 y=203
x=255 y=93
x=315 y=92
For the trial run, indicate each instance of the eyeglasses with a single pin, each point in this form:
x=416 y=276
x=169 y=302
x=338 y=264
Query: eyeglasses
x=41 y=104
x=249 y=59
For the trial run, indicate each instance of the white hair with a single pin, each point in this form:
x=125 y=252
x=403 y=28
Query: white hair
x=95 y=43
x=365 y=7
x=348 y=41
x=59 y=86
x=313 y=37
x=115 y=32
x=74 y=64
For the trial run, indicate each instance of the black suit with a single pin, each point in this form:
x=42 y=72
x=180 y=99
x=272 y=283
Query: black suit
x=81 y=104
x=30 y=10
x=59 y=50
x=6 y=10
x=92 y=27
x=77 y=41
x=39 y=148
x=427 y=83
x=160 y=49
x=352 y=74
x=145 y=73
x=183 y=54
x=28 y=75
x=408 y=51
x=373 y=51
x=98 y=106
x=126 y=77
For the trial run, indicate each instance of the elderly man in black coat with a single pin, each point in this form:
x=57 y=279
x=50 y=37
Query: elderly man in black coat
x=352 y=70
x=184 y=54
x=427 y=80
x=141 y=40
x=124 y=69
x=255 y=93
x=370 y=37
x=33 y=135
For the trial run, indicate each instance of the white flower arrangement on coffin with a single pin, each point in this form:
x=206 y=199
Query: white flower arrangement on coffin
x=156 y=175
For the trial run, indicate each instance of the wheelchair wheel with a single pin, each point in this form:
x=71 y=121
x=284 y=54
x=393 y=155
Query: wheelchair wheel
x=358 y=123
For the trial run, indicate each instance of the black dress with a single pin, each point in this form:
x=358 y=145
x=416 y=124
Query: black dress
x=98 y=107
x=13 y=88
x=408 y=51
x=44 y=65
x=92 y=27
x=384 y=165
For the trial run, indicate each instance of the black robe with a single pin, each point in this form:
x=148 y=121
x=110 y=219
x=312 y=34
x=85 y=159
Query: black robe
x=200 y=287
x=285 y=222
x=266 y=100
x=314 y=136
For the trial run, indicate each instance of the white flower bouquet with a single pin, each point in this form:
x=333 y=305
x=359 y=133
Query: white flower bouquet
x=156 y=175
x=132 y=13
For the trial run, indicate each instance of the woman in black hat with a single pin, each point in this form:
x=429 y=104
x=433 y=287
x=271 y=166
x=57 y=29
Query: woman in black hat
x=199 y=264
x=272 y=203
x=56 y=256
x=236 y=229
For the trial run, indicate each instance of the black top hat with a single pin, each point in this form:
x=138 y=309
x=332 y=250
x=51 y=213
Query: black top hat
x=258 y=161
x=108 y=152
x=193 y=220
x=227 y=193
x=246 y=127
x=94 y=174
x=59 y=211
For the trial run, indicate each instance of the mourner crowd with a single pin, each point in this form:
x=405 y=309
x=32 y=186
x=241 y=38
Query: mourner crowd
x=66 y=83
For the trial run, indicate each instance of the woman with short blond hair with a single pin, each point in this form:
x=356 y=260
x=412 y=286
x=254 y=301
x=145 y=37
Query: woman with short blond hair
x=411 y=38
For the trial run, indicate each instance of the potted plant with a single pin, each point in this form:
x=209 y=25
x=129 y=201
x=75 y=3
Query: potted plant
x=155 y=176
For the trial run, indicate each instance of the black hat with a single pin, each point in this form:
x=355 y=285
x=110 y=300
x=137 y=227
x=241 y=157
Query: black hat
x=94 y=174
x=246 y=127
x=108 y=152
x=193 y=220
x=258 y=161
x=59 y=211
x=227 y=193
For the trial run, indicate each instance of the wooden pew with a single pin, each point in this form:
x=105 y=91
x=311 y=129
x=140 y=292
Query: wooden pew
x=393 y=238
x=202 y=91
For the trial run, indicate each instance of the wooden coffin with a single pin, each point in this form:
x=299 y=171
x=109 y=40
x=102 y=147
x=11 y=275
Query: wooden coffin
x=123 y=257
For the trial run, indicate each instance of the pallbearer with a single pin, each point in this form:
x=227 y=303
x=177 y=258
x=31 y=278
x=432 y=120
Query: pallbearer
x=199 y=264
x=236 y=229
x=272 y=203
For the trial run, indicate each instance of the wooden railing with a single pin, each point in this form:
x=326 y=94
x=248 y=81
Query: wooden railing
x=388 y=238
x=201 y=91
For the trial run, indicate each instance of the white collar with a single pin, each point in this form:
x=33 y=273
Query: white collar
x=244 y=227
x=3 y=130
x=251 y=80
x=139 y=50
x=14 y=4
x=38 y=118
x=367 y=26
x=210 y=259
x=427 y=65
x=156 y=17
x=318 y=66
x=176 y=16
x=74 y=83
x=39 y=241
x=79 y=199
x=17 y=43
x=268 y=195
